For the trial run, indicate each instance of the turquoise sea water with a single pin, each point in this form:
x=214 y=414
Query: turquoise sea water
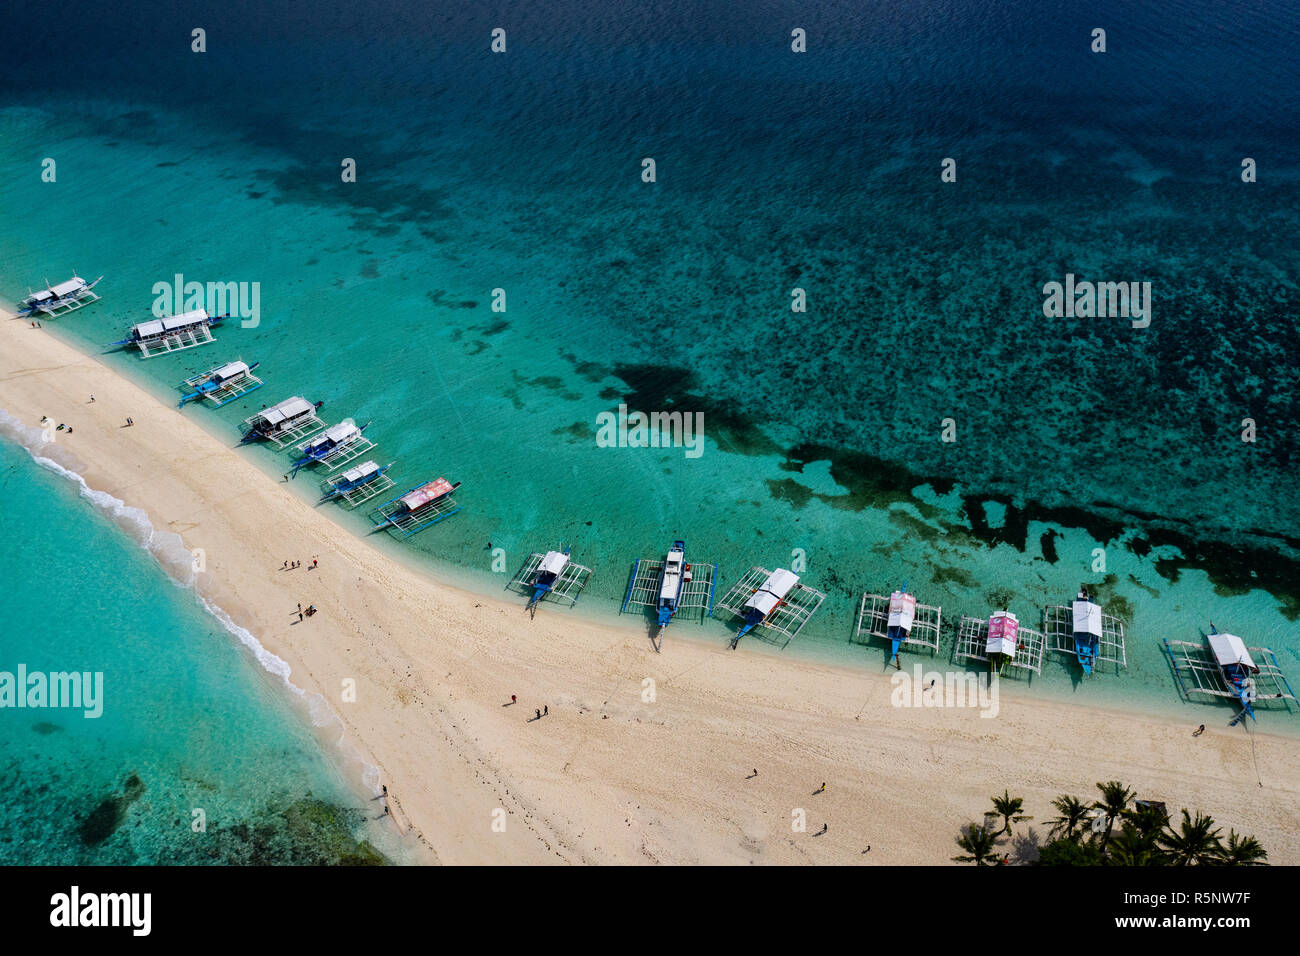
x=198 y=755
x=775 y=171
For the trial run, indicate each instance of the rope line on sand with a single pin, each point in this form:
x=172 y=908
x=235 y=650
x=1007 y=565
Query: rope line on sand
x=1253 y=755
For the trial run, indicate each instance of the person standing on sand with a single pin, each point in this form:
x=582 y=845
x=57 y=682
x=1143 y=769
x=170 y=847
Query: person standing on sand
x=1198 y=731
x=546 y=711
x=539 y=715
x=822 y=788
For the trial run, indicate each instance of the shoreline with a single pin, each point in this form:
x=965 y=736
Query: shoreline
x=607 y=777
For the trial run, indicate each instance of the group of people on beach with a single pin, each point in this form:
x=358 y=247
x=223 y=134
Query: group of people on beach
x=310 y=610
x=538 y=713
x=292 y=565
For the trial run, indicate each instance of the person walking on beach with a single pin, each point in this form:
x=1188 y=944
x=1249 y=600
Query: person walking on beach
x=514 y=699
x=299 y=607
x=300 y=617
x=825 y=827
x=314 y=562
x=92 y=399
x=1198 y=731
x=546 y=710
x=821 y=789
x=539 y=716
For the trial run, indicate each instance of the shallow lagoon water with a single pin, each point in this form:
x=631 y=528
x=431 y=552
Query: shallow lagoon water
x=823 y=428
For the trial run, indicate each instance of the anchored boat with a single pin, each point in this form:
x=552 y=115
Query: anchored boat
x=222 y=384
x=550 y=576
x=1084 y=630
x=420 y=507
x=772 y=600
x=56 y=300
x=1001 y=640
x=359 y=483
x=1225 y=667
x=172 y=333
x=334 y=446
x=290 y=420
x=671 y=585
x=900 y=620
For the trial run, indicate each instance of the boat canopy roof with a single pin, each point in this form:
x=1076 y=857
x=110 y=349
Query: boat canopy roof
x=284 y=411
x=72 y=285
x=670 y=585
x=1229 y=649
x=337 y=433
x=778 y=584
x=229 y=370
x=360 y=471
x=1004 y=628
x=553 y=562
x=425 y=493
x=40 y=296
x=169 y=323
x=902 y=610
x=1087 y=618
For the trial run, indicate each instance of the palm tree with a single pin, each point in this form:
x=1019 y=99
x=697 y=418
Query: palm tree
x=1114 y=798
x=1072 y=813
x=977 y=841
x=1132 y=847
x=1008 y=808
x=1195 y=842
x=1147 y=819
x=1243 y=851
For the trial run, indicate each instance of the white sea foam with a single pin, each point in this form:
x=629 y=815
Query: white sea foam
x=177 y=561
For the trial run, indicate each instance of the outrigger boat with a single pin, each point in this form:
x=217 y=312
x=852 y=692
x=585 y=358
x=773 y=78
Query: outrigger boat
x=899 y=620
x=222 y=384
x=56 y=300
x=359 y=483
x=172 y=333
x=550 y=576
x=1225 y=667
x=772 y=600
x=1002 y=641
x=1086 y=632
x=290 y=420
x=671 y=585
x=334 y=445
x=418 y=508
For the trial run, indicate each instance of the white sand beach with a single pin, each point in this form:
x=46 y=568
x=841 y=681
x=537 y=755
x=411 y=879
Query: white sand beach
x=606 y=777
